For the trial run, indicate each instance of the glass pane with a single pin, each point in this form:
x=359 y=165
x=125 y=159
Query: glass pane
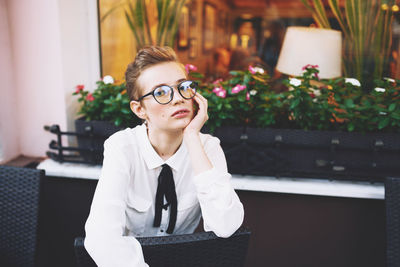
x=116 y=41
x=218 y=36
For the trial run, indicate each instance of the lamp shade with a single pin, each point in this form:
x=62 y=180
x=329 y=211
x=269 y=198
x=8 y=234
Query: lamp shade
x=304 y=45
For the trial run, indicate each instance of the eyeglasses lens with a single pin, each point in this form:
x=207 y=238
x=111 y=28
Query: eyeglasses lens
x=163 y=94
x=188 y=89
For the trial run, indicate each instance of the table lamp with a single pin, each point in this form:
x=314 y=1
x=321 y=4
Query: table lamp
x=315 y=46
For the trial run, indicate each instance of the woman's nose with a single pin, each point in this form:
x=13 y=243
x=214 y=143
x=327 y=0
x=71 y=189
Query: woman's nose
x=177 y=97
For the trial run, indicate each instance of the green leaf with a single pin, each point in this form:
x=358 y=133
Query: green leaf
x=320 y=12
x=392 y=107
x=295 y=103
x=349 y=103
x=125 y=111
x=246 y=79
x=133 y=28
x=350 y=127
x=118 y=121
x=197 y=75
x=383 y=123
x=112 y=9
x=395 y=116
x=228 y=106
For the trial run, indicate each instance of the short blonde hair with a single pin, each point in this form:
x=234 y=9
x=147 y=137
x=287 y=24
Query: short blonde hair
x=145 y=58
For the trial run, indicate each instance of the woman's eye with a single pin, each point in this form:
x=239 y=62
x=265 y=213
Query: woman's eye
x=185 y=86
x=158 y=93
x=161 y=92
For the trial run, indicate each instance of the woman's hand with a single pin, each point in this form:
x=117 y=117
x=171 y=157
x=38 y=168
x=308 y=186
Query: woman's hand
x=201 y=117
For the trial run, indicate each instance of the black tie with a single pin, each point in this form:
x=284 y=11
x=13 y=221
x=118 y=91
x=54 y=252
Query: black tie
x=166 y=187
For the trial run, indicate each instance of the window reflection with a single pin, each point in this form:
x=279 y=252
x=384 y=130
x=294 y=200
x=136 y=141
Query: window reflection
x=218 y=36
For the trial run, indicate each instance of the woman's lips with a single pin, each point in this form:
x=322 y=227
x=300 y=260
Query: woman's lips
x=180 y=113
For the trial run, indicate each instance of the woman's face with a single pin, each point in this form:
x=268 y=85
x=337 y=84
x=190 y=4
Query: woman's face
x=175 y=115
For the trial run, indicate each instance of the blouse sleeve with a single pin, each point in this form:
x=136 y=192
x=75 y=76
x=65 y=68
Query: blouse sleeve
x=220 y=206
x=105 y=226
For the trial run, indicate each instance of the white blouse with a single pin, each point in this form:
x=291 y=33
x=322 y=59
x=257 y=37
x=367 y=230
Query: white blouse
x=123 y=206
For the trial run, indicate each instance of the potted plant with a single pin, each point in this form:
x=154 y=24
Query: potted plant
x=367 y=29
x=103 y=112
x=151 y=22
x=323 y=128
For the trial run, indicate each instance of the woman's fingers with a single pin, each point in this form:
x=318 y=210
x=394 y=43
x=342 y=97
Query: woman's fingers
x=201 y=117
x=202 y=98
x=201 y=101
x=203 y=105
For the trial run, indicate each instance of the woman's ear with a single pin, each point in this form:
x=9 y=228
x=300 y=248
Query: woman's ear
x=137 y=108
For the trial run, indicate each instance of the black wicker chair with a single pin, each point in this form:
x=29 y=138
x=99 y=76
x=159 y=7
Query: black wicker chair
x=392 y=201
x=198 y=249
x=19 y=210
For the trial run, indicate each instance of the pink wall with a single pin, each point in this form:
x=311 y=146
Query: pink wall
x=47 y=47
x=9 y=135
x=36 y=56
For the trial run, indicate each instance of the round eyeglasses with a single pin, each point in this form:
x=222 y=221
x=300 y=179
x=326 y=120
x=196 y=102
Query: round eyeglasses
x=164 y=94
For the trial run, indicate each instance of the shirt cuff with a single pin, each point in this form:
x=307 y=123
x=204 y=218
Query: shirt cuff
x=205 y=180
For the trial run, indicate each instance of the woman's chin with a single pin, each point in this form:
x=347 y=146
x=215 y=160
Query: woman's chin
x=181 y=124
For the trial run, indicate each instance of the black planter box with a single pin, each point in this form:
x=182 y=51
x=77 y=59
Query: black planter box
x=314 y=154
x=96 y=133
x=283 y=152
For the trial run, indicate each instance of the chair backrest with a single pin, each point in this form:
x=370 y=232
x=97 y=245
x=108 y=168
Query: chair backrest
x=19 y=210
x=198 y=249
x=392 y=202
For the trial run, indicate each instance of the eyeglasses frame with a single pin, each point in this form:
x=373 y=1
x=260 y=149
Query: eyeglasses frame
x=172 y=92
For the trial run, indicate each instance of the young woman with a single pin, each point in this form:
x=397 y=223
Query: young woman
x=159 y=178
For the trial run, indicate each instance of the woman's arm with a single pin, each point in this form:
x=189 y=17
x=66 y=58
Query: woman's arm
x=106 y=223
x=221 y=208
x=191 y=137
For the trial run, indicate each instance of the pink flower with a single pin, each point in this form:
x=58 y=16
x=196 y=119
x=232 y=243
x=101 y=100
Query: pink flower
x=217 y=81
x=247 y=96
x=190 y=67
x=217 y=89
x=309 y=66
x=252 y=69
x=79 y=88
x=90 y=97
x=238 y=88
x=221 y=93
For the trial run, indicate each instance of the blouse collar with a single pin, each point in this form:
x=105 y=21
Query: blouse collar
x=152 y=159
